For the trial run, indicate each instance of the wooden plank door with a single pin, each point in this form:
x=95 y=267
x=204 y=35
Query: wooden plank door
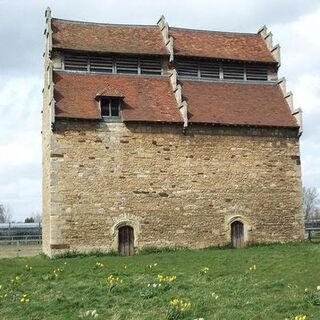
x=126 y=241
x=237 y=234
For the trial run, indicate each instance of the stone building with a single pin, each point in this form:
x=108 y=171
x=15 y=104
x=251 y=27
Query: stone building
x=162 y=136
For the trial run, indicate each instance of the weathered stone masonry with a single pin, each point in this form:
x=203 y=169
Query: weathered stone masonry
x=175 y=190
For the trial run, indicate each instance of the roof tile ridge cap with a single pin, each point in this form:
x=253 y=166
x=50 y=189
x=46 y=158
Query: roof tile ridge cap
x=167 y=39
x=288 y=97
x=215 y=31
x=267 y=37
x=106 y=24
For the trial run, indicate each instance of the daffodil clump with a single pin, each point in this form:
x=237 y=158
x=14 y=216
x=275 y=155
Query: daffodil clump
x=214 y=295
x=253 y=268
x=312 y=296
x=98 y=265
x=154 y=285
x=162 y=283
x=152 y=289
x=298 y=317
x=204 y=270
x=15 y=280
x=178 y=309
x=89 y=314
x=57 y=271
x=167 y=279
x=151 y=266
x=24 y=298
x=54 y=275
x=2 y=294
x=113 y=282
x=28 y=268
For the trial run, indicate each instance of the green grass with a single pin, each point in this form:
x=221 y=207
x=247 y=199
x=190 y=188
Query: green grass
x=229 y=290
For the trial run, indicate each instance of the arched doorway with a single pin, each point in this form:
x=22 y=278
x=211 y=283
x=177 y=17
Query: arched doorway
x=237 y=234
x=126 y=241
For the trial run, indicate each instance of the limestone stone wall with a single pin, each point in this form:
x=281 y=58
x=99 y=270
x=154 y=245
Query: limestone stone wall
x=174 y=189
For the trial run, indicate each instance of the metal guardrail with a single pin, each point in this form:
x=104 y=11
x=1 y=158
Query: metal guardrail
x=21 y=238
x=312 y=231
x=27 y=246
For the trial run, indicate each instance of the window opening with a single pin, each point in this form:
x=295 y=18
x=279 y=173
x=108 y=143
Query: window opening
x=110 y=107
x=227 y=71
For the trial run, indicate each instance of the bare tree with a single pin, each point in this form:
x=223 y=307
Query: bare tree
x=5 y=214
x=37 y=217
x=310 y=202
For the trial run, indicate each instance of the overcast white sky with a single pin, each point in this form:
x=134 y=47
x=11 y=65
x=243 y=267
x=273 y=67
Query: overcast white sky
x=295 y=25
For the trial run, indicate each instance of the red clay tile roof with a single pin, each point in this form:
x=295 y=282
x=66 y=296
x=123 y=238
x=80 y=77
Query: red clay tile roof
x=96 y=37
x=237 y=104
x=145 y=98
x=131 y=39
x=220 y=45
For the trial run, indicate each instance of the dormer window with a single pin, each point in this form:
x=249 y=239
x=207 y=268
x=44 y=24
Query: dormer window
x=110 y=107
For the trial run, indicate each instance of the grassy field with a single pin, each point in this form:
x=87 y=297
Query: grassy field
x=265 y=282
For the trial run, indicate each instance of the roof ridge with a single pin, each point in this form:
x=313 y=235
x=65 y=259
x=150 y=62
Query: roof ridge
x=107 y=24
x=214 y=31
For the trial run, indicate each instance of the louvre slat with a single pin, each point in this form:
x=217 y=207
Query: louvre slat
x=150 y=66
x=257 y=73
x=127 y=66
x=101 y=64
x=233 y=72
x=75 y=63
x=194 y=69
x=209 y=70
x=187 y=69
x=110 y=65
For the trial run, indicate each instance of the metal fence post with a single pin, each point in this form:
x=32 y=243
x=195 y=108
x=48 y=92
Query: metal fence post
x=18 y=249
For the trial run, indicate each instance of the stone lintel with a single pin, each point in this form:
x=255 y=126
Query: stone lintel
x=59 y=246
